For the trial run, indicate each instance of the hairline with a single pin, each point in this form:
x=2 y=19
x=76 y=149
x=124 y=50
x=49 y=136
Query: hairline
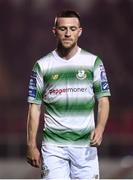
x=57 y=17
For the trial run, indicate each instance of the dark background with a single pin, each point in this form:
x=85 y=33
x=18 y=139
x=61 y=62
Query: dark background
x=26 y=35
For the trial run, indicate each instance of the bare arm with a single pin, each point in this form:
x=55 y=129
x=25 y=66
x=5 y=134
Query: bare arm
x=33 y=154
x=103 y=112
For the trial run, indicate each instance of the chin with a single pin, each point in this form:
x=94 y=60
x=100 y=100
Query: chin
x=68 y=46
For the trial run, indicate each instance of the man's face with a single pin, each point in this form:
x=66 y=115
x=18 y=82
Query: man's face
x=67 y=31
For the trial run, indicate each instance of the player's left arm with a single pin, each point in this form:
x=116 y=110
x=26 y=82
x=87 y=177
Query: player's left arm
x=102 y=117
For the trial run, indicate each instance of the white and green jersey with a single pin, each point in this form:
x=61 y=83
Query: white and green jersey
x=68 y=89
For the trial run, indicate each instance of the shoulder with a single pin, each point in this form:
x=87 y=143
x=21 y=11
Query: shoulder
x=45 y=58
x=42 y=64
x=89 y=57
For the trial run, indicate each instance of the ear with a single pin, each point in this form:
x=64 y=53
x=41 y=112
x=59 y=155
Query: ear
x=54 y=31
x=80 y=32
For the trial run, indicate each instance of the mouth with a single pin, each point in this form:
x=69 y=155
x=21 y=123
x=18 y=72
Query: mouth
x=67 y=40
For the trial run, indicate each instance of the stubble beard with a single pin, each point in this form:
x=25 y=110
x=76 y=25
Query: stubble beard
x=64 y=50
x=67 y=47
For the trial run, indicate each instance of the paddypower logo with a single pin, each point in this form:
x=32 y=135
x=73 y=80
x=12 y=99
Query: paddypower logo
x=66 y=90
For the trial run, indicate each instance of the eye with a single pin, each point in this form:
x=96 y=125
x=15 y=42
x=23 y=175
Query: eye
x=62 y=28
x=73 y=28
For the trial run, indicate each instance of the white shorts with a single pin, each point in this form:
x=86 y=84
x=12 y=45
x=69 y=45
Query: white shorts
x=69 y=162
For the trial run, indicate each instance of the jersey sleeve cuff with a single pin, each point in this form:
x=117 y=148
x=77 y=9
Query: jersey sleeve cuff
x=102 y=95
x=33 y=101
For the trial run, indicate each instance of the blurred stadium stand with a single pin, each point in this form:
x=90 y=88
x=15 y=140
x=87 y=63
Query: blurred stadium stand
x=25 y=36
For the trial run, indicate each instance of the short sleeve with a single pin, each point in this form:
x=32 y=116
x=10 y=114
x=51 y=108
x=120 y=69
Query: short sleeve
x=100 y=82
x=36 y=85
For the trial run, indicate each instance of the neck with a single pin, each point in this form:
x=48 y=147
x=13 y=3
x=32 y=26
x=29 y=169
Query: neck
x=67 y=53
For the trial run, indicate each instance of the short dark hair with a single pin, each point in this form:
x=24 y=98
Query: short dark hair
x=67 y=13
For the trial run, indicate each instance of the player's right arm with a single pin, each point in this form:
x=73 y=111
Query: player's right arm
x=33 y=153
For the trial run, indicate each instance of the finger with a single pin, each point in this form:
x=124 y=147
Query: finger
x=92 y=135
x=38 y=163
x=100 y=141
x=33 y=163
x=29 y=160
x=96 y=142
x=94 y=139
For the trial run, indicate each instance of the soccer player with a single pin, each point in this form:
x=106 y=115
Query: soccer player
x=67 y=81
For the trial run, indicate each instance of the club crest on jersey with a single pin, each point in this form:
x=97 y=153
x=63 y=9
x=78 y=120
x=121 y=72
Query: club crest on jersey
x=81 y=74
x=55 y=76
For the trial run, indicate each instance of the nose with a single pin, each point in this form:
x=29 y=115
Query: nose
x=68 y=33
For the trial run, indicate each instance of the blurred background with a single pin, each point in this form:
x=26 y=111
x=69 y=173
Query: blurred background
x=25 y=36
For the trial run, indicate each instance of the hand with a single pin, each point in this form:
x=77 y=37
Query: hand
x=34 y=157
x=96 y=137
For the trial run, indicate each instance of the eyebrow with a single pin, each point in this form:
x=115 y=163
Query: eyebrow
x=73 y=26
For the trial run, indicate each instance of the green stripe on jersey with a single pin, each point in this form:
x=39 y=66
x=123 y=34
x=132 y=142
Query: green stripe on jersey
x=71 y=107
x=97 y=63
x=39 y=90
x=65 y=136
x=71 y=74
